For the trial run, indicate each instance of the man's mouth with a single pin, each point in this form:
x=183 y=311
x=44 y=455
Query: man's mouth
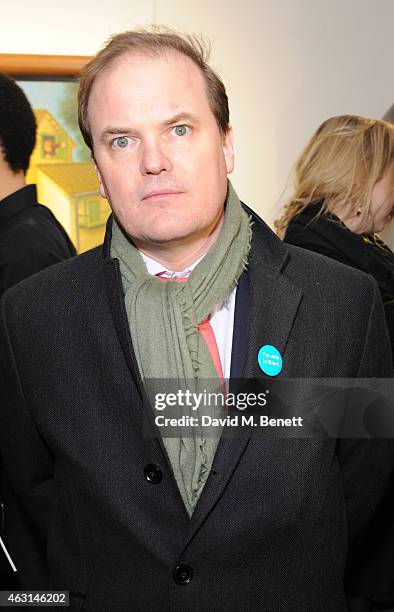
x=160 y=194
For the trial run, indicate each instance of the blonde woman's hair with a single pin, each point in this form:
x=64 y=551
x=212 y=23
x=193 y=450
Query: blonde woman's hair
x=339 y=166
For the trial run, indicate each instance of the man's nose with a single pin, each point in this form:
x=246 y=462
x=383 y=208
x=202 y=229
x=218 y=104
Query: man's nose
x=155 y=157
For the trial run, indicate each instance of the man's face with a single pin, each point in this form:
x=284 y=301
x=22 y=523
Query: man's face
x=161 y=158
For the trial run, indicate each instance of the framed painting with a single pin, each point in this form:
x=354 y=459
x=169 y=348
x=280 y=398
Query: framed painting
x=61 y=164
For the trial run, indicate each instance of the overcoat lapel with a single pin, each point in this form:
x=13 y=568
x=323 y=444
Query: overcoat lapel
x=273 y=300
x=272 y=303
x=113 y=285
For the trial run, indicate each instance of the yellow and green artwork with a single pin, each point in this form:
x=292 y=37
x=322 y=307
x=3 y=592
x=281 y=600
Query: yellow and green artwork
x=61 y=165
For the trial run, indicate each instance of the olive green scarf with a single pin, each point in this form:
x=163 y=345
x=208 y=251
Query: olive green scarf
x=164 y=319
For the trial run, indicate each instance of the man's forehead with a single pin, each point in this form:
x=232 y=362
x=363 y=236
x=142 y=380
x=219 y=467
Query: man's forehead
x=151 y=85
x=136 y=63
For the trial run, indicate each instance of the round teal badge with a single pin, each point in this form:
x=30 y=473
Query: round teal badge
x=270 y=360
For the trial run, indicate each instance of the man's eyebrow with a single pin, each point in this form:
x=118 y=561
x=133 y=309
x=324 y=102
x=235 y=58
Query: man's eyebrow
x=182 y=116
x=110 y=130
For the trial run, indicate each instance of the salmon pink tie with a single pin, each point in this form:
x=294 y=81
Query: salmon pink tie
x=205 y=329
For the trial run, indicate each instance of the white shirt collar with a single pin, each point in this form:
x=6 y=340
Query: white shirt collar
x=155 y=268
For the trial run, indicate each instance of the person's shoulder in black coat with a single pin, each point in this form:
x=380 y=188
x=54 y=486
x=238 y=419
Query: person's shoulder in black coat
x=31 y=238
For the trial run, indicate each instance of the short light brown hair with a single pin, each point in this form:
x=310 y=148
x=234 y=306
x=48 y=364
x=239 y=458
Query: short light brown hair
x=153 y=42
x=339 y=166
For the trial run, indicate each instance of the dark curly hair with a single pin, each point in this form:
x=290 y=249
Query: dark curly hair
x=17 y=125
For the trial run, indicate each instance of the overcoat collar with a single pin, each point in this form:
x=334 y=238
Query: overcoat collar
x=266 y=305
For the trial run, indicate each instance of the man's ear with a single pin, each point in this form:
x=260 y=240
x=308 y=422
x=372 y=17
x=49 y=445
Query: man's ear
x=228 y=149
x=103 y=191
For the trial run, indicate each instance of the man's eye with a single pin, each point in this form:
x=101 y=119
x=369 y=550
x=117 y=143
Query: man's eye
x=121 y=142
x=180 y=130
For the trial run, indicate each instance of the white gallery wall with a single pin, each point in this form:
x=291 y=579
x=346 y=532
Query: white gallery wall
x=287 y=64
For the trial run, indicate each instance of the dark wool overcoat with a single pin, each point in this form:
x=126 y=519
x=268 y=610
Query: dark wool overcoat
x=93 y=506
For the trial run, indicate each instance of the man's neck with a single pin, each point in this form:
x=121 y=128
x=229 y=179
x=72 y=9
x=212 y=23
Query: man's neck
x=178 y=256
x=10 y=182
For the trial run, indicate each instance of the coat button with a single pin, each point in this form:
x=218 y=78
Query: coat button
x=183 y=574
x=153 y=473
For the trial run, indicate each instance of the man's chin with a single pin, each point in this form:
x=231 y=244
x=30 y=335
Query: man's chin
x=168 y=238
